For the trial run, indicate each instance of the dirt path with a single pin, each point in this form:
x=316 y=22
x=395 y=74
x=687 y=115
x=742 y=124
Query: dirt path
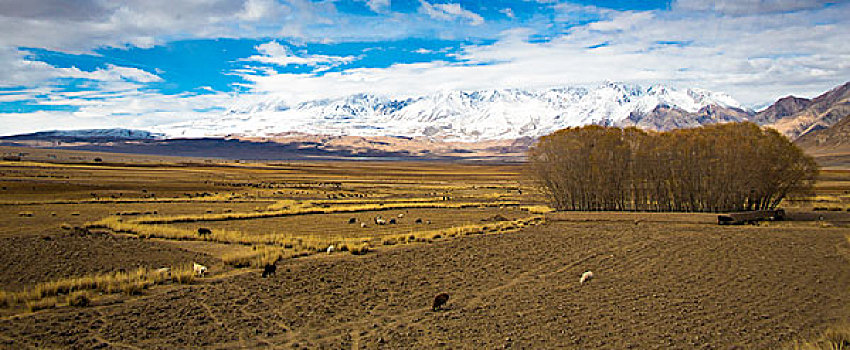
x=658 y=285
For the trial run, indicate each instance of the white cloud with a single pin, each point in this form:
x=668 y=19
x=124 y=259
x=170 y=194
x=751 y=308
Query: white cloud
x=128 y=109
x=379 y=6
x=755 y=58
x=622 y=21
x=275 y=53
x=20 y=71
x=450 y=12
x=508 y=12
x=255 y=10
x=748 y=7
x=110 y=73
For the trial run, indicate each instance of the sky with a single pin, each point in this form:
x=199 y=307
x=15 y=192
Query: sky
x=139 y=63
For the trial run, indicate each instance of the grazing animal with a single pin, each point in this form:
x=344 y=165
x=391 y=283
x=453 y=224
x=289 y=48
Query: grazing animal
x=269 y=270
x=380 y=221
x=586 y=277
x=166 y=271
x=440 y=300
x=330 y=249
x=400 y=216
x=362 y=225
x=203 y=231
x=352 y=220
x=392 y=221
x=200 y=270
x=428 y=222
x=418 y=221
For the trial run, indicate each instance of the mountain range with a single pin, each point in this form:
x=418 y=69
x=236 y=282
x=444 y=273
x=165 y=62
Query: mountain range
x=450 y=124
x=470 y=116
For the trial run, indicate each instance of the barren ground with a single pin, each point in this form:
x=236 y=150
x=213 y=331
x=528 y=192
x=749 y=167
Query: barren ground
x=662 y=280
x=659 y=284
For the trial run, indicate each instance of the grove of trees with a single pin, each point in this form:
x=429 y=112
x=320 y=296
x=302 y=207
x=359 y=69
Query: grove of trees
x=721 y=167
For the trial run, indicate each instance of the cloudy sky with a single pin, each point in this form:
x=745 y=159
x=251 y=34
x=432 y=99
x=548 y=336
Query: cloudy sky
x=138 y=63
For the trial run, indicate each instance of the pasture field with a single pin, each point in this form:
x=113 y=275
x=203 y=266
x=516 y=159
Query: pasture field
x=80 y=242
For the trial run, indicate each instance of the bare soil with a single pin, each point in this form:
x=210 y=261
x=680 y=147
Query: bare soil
x=658 y=284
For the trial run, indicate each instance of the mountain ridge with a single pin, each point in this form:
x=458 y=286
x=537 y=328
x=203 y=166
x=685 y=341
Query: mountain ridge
x=457 y=115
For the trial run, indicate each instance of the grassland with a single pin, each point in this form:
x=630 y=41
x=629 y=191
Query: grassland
x=276 y=211
x=81 y=241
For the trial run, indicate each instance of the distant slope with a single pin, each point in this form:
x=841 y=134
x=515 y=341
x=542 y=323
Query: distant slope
x=819 y=113
x=835 y=137
x=664 y=117
x=86 y=135
x=782 y=108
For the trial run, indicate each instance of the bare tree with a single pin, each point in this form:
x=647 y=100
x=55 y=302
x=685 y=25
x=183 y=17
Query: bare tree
x=723 y=167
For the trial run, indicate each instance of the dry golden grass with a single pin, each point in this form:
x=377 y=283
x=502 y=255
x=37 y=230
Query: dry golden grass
x=833 y=338
x=258 y=256
x=70 y=291
x=306 y=208
x=537 y=209
x=205 y=199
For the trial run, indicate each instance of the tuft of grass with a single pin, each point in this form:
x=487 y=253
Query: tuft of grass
x=537 y=209
x=258 y=256
x=80 y=298
x=833 y=338
x=360 y=250
x=41 y=304
x=25 y=214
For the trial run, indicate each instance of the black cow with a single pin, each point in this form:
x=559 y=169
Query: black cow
x=440 y=300
x=269 y=270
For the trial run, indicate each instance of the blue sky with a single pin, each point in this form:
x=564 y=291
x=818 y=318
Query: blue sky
x=137 y=63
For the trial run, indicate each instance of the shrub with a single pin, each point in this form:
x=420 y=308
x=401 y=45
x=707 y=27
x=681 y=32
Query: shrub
x=79 y=299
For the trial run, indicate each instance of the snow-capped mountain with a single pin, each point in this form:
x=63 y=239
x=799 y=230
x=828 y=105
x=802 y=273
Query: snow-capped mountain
x=90 y=134
x=456 y=115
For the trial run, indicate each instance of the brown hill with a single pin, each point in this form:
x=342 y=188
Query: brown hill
x=821 y=113
x=782 y=108
x=833 y=137
x=664 y=118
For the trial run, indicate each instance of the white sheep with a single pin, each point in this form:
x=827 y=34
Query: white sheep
x=362 y=225
x=331 y=249
x=400 y=216
x=586 y=277
x=200 y=270
x=380 y=221
x=166 y=271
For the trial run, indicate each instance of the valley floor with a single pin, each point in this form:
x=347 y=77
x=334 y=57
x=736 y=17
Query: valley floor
x=661 y=281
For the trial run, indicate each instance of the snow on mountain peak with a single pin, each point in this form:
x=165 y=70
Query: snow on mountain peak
x=451 y=114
